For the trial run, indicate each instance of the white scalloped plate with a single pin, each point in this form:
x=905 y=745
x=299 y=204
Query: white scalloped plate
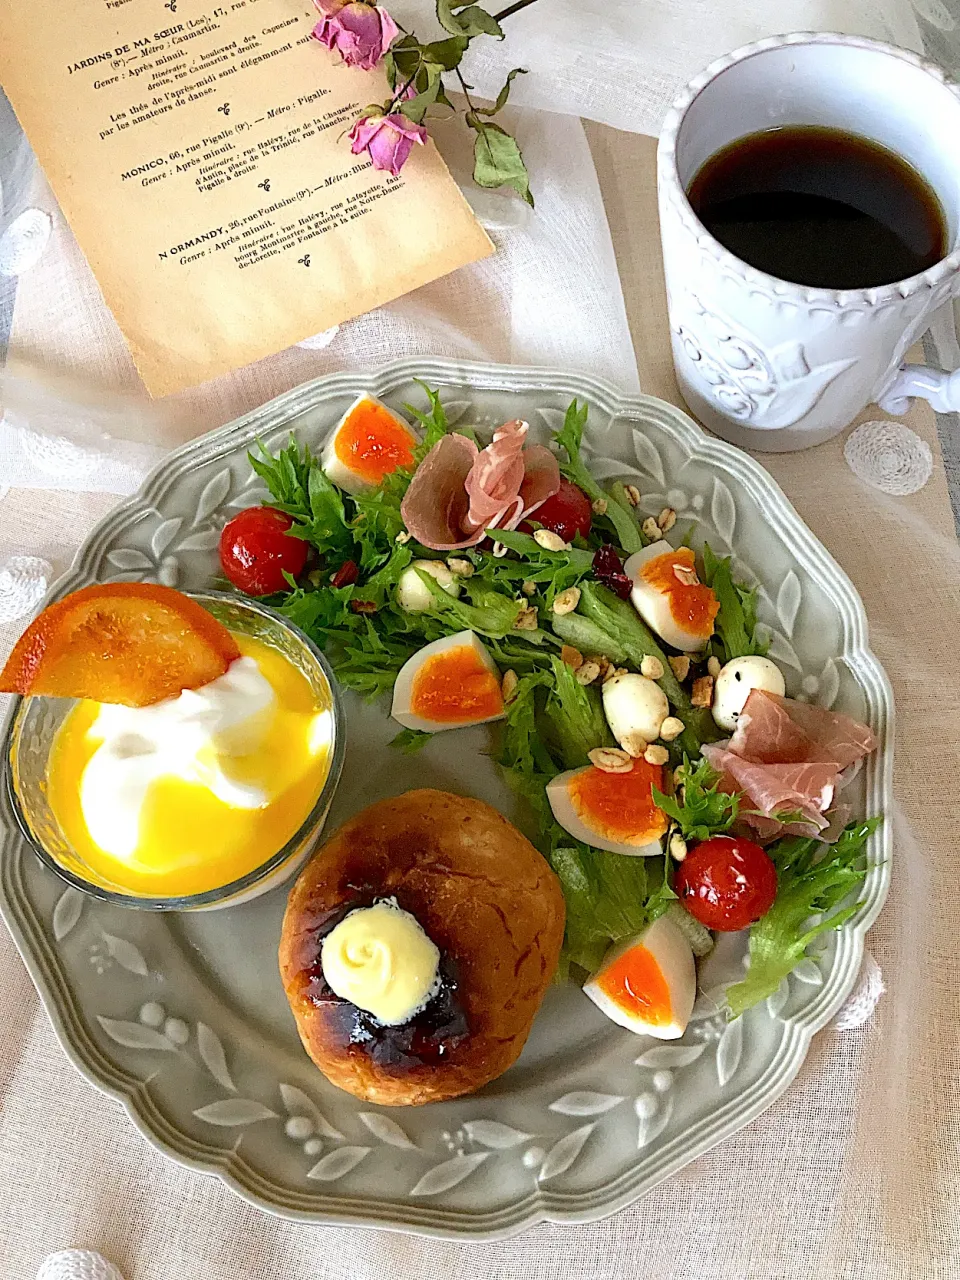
x=183 y=1019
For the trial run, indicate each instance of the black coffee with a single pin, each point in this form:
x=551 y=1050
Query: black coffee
x=820 y=207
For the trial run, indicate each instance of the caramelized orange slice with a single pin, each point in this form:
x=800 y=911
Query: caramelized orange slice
x=129 y=642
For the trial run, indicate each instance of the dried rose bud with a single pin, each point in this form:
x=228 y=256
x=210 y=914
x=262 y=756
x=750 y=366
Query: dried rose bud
x=388 y=140
x=360 y=32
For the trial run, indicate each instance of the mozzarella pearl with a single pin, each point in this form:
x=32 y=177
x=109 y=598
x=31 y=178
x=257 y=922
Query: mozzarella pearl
x=736 y=682
x=413 y=594
x=634 y=707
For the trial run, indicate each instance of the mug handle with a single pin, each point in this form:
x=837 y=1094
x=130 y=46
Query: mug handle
x=941 y=389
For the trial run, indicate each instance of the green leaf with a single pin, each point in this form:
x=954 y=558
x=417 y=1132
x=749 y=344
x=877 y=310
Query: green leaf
x=433 y=421
x=299 y=487
x=410 y=741
x=570 y=438
x=497 y=161
x=405 y=57
x=812 y=879
x=584 y=634
x=467 y=20
x=521 y=750
x=380 y=585
x=503 y=95
x=416 y=108
x=378 y=521
x=390 y=69
x=550 y=571
x=699 y=808
x=488 y=612
x=285 y=476
x=608 y=898
x=525 y=544
x=632 y=636
x=736 y=625
x=447 y=53
x=574 y=713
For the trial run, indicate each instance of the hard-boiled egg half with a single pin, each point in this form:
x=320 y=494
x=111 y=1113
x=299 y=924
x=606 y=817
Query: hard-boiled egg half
x=612 y=811
x=367 y=444
x=648 y=984
x=669 y=596
x=448 y=684
x=737 y=680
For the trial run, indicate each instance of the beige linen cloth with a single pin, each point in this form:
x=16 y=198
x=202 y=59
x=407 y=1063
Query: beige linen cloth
x=855 y=1173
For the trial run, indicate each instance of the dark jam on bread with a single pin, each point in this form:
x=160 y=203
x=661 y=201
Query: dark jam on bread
x=426 y=1039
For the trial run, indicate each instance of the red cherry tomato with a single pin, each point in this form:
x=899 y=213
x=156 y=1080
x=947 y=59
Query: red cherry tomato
x=255 y=550
x=567 y=513
x=726 y=883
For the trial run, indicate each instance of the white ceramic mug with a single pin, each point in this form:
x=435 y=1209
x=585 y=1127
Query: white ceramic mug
x=772 y=365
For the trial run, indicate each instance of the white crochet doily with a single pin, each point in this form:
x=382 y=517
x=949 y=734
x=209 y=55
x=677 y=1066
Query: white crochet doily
x=23 y=584
x=77 y=1264
x=889 y=456
x=858 y=1008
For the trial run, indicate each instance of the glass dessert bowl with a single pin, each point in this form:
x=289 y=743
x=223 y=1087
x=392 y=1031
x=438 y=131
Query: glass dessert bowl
x=197 y=802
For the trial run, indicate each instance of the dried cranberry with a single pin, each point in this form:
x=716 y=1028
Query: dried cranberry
x=346 y=575
x=608 y=567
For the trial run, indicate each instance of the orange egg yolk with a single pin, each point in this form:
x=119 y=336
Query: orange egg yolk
x=372 y=443
x=455 y=687
x=693 y=606
x=620 y=805
x=636 y=983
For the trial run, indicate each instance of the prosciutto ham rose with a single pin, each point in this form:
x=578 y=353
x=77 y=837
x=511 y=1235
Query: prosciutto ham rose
x=788 y=757
x=459 y=491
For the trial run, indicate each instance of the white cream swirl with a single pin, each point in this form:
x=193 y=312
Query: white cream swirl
x=380 y=959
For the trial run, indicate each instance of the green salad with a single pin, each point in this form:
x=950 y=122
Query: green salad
x=556 y=599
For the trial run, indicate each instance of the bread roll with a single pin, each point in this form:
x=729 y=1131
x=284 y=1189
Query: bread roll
x=487 y=899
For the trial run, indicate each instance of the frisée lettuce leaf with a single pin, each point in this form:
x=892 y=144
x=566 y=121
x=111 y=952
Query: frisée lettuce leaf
x=812 y=879
x=736 y=634
x=621 y=517
x=699 y=808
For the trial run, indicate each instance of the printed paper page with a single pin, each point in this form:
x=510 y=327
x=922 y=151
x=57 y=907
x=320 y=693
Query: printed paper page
x=198 y=152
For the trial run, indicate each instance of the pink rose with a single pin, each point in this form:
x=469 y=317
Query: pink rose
x=388 y=140
x=360 y=32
